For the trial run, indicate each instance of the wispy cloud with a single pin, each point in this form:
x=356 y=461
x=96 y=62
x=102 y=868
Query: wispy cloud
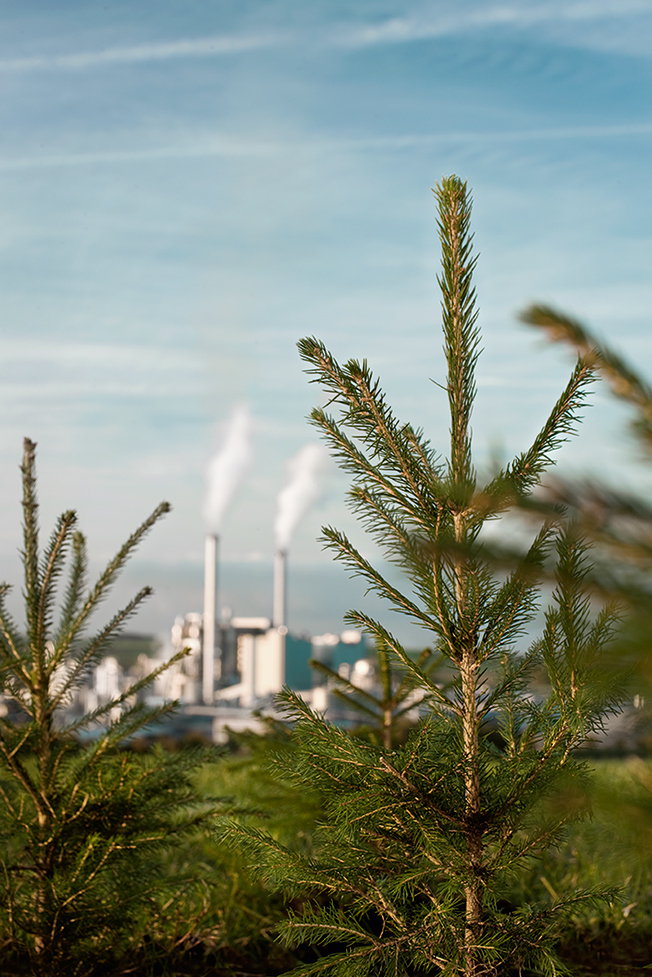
x=230 y=146
x=49 y=371
x=416 y=25
x=496 y=136
x=82 y=355
x=423 y=25
x=203 y=47
x=220 y=147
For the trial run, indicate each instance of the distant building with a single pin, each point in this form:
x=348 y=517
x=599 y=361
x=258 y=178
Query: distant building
x=253 y=662
x=183 y=680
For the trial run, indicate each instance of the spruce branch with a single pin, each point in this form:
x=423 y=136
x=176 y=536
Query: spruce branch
x=111 y=571
x=89 y=654
x=459 y=320
x=381 y=633
x=11 y=645
x=625 y=382
x=514 y=603
x=400 y=448
x=74 y=593
x=30 y=539
x=346 y=553
x=526 y=470
x=51 y=567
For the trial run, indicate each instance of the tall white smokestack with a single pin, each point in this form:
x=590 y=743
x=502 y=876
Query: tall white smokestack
x=279 y=607
x=224 y=473
x=294 y=500
x=210 y=599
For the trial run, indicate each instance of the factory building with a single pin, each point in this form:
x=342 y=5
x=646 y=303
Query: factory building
x=234 y=666
x=253 y=662
x=237 y=665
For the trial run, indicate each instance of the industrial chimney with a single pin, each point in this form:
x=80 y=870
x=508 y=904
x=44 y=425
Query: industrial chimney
x=210 y=600
x=223 y=475
x=293 y=502
x=279 y=608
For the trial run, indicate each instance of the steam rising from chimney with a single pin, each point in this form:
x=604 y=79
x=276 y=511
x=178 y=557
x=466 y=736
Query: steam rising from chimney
x=227 y=467
x=300 y=493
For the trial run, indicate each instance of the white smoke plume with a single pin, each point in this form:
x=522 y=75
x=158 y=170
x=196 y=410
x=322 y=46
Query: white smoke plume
x=227 y=467
x=301 y=491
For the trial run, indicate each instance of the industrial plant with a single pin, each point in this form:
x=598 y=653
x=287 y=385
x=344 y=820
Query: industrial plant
x=235 y=666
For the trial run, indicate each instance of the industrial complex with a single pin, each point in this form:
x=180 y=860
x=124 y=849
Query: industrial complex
x=234 y=666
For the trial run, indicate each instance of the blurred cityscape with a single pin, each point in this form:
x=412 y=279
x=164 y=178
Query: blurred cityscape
x=233 y=689
x=253 y=660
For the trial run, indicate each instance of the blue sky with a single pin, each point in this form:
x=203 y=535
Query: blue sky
x=187 y=188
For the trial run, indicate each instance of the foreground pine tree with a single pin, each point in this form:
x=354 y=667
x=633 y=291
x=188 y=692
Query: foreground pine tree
x=413 y=871
x=82 y=826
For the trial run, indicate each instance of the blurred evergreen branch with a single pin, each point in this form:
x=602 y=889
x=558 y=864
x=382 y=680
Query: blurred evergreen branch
x=625 y=382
